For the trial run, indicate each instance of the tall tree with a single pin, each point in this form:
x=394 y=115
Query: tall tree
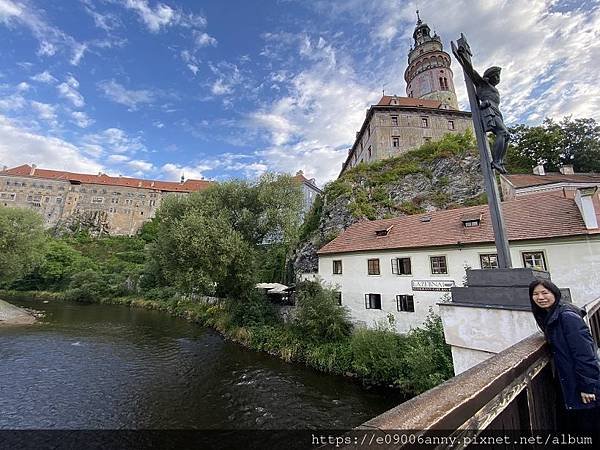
x=211 y=242
x=21 y=242
x=569 y=141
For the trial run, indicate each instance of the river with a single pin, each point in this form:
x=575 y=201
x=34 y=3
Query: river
x=89 y=366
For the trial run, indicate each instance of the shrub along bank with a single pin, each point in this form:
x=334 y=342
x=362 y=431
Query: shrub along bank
x=321 y=336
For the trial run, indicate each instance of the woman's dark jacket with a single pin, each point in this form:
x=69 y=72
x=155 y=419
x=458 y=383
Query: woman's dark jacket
x=574 y=355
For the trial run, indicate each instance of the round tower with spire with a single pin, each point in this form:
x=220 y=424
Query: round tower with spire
x=428 y=74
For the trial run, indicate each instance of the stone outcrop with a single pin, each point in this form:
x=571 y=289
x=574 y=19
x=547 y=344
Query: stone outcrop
x=12 y=315
x=374 y=192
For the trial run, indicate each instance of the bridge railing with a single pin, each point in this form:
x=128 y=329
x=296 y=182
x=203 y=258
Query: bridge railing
x=512 y=390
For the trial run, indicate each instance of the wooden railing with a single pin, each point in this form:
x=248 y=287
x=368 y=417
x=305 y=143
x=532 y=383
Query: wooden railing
x=593 y=318
x=512 y=391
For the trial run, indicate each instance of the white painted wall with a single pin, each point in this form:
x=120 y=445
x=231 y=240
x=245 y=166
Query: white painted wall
x=572 y=262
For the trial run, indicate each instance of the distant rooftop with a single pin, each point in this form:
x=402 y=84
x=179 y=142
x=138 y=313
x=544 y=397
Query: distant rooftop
x=101 y=178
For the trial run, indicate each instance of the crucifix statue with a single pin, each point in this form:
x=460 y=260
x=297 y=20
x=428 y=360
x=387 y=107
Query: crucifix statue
x=485 y=100
x=489 y=101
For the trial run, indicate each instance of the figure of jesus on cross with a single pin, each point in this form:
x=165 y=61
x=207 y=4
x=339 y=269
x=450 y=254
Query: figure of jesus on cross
x=489 y=102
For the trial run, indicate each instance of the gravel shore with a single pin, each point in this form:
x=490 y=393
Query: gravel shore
x=13 y=315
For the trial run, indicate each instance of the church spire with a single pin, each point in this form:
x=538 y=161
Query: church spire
x=418 y=19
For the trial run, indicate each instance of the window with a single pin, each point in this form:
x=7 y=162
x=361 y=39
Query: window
x=152 y=202
x=337 y=266
x=427 y=139
x=405 y=303
x=97 y=199
x=451 y=124
x=373 y=301
x=438 y=264
x=338 y=297
x=369 y=152
x=7 y=196
x=373 y=266
x=489 y=261
x=401 y=266
x=394 y=121
x=424 y=122
x=369 y=131
x=114 y=200
x=395 y=141
x=535 y=260
x=471 y=223
x=58 y=200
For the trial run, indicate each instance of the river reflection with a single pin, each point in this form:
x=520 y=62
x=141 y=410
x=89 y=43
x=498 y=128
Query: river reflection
x=112 y=367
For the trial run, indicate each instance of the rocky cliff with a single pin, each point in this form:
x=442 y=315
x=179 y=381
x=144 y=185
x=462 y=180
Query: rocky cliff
x=438 y=175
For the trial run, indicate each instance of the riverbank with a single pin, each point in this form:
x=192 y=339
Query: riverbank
x=13 y=315
x=411 y=363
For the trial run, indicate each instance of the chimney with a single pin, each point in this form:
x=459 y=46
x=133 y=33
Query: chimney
x=32 y=171
x=567 y=169
x=539 y=170
x=584 y=199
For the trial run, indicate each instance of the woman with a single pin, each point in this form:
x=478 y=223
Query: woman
x=574 y=354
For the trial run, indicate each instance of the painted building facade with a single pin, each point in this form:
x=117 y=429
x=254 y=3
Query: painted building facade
x=404 y=267
x=115 y=205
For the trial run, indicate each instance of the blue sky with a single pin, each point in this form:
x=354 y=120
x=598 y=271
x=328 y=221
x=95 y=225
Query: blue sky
x=228 y=89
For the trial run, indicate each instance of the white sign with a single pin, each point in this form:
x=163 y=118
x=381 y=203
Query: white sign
x=432 y=285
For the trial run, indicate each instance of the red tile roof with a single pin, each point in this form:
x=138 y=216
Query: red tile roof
x=386 y=100
x=527 y=180
x=532 y=217
x=171 y=186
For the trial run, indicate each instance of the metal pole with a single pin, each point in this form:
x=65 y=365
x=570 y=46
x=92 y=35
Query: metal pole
x=491 y=187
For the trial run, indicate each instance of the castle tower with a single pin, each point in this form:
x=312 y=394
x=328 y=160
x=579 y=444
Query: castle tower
x=428 y=74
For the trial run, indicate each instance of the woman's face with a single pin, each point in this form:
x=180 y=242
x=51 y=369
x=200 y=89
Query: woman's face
x=543 y=297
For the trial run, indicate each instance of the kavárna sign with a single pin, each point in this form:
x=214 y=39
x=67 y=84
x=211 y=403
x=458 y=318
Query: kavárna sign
x=432 y=285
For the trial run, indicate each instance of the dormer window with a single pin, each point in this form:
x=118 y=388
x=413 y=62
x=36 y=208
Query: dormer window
x=384 y=231
x=471 y=220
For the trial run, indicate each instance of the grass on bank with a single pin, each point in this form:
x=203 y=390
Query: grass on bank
x=321 y=336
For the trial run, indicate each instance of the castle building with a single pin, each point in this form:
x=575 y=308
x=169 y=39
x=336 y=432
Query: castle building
x=310 y=191
x=113 y=205
x=398 y=124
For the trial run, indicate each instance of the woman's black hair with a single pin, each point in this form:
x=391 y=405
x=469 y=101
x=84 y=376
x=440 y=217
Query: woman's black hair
x=541 y=314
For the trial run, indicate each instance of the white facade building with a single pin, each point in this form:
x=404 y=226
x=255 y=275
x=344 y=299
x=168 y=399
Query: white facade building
x=405 y=266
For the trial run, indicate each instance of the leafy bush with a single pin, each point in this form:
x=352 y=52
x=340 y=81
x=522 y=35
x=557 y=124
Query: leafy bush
x=255 y=311
x=87 y=286
x=318 y=316
x=377 y=355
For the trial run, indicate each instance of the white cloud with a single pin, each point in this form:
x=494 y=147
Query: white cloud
x=118 y=158
x=119 y=94
x=44 y=77
x=23 y=86
x=20 y=146
x=228 y=77
x=12 y=102
x=50 y=38
x=68 y=90
x=172 y=171
x=141 y=166
x=9 y=9
x=81 y=119
x=204 y=40
x=78 y=52
x=162 y=16
x=154 y=18
x=45 y=111
x=193 y=68
x=114 y=140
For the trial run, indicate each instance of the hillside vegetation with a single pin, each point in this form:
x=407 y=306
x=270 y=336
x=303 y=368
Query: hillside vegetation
x=438 y=175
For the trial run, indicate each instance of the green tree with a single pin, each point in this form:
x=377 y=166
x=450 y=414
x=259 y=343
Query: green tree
x=211 y=242
x=575 y=142
x=21 y=242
